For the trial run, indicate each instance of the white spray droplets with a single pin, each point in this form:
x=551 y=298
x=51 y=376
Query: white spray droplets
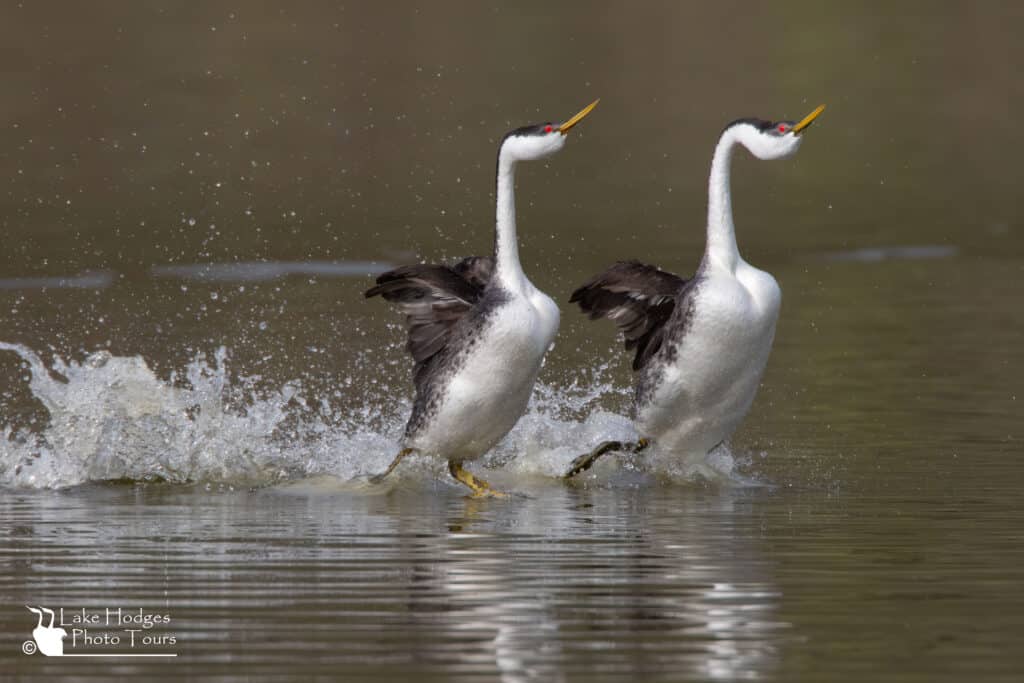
x=112 y=417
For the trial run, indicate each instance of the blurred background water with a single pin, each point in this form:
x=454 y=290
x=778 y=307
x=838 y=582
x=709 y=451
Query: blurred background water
x=195 y=196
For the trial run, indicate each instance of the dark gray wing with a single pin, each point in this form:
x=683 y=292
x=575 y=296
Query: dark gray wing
x=434 y=298
x=476 y=270
x=636 y=297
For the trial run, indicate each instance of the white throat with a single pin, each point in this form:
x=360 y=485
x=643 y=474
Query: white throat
x=508 y=270
x=721 y=245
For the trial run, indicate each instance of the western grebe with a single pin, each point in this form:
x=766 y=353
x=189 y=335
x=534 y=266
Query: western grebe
x=478 y=330
x=701 y=344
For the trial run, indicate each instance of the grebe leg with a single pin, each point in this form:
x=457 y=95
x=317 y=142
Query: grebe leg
x=481 y=489
x=378 y=478
x=584 y=462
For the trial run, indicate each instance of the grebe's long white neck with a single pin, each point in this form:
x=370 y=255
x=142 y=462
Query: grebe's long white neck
x=522 y=144
x=766 y=141
x=508 y=270
x=721 y=245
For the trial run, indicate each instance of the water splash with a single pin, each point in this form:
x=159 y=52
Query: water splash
x=113 y=418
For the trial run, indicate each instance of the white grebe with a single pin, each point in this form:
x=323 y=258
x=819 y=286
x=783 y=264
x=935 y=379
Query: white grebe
x=701 y=344
x=478 y=330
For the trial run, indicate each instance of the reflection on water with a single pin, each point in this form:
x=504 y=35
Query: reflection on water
x=625 y=590
x=656 y=582
x=561 y=586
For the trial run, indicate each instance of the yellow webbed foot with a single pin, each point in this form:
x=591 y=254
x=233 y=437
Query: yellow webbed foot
x=480 y=488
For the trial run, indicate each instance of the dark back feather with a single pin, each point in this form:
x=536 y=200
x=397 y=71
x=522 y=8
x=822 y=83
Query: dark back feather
x=638 y=298
x=476 y=270
x=434 y=298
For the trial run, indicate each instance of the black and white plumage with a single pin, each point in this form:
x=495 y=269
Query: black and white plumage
x=701 y=343
x=443 y=312
x=434 y=298
x=478 y=330
x=639 y=299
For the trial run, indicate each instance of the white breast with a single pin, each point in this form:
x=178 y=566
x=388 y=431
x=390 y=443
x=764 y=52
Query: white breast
x=487 y=396
x=705 y=393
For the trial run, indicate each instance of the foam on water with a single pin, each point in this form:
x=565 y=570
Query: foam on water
x=113 y=418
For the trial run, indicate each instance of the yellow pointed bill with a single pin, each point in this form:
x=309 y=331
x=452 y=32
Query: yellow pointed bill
x=564 y=128
x=808 y=120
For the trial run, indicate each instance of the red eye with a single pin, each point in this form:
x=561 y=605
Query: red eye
x=548 y=129
x=782 y=128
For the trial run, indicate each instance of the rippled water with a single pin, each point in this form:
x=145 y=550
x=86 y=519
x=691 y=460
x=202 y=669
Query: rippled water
x=191 y=382
x=629 y=580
